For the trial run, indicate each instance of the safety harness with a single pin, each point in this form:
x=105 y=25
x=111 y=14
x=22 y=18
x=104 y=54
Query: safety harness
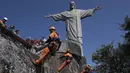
x=53 y=45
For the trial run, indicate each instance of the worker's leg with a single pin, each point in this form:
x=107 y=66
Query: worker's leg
x=44 y=54
x=63 y=65
x=84 y=71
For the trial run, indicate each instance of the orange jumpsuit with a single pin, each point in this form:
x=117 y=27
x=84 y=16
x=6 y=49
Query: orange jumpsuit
x=52 y=46
x=68 y=60
x=87 y=69
x=2 y=24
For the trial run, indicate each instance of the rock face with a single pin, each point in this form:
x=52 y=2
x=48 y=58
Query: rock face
x=15 y=58
x=53 y=63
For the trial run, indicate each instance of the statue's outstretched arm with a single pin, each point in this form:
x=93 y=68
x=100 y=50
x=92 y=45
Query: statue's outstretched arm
x=48 y=16
x=56 y=17
x=89 y=12
x=98 y=7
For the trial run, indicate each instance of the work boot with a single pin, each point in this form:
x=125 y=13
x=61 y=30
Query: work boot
x=36 y=62
x=58 y=71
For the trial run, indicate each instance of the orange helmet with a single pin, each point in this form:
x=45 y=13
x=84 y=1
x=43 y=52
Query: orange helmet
x=52 y=28
x=89 y=65
x=68 y=50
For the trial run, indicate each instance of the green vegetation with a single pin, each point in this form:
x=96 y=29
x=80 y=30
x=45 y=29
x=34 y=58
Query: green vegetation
x=114 y=60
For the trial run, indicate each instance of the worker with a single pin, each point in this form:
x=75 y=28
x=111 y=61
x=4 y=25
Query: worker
x=43 y=39
x=17 y=32
x=11 y=28
x=52 y=45
x=35 y=42
x=68 y=56
x=2 y=22
x=87 y=69
x=29 y=40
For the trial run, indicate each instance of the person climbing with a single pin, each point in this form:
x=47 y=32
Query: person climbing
x=43 y=39
x=87 y=69
x=17 y=32
x=2 y=22
x=29 y=40
x=35 y=42
x=68 y=57
x=51 y=47
x=40 y=44
x=11 y=28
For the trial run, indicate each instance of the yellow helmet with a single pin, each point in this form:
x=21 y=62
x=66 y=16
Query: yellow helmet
x=68 y=50
x=52 y=28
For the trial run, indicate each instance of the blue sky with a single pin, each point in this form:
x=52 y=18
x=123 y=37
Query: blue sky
x=101 y=28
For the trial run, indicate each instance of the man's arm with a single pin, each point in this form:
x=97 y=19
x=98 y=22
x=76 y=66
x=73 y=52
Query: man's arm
x=61 y=57
x=1 y=22
x=51 y=37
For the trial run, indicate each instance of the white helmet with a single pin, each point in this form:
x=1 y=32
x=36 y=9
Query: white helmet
x=52 y=28
x=5 y=18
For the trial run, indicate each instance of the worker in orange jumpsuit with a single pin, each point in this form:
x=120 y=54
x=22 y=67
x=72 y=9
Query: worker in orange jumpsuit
x=52 y=45
x=68 y=57
x=2 y=22
x=87 y=69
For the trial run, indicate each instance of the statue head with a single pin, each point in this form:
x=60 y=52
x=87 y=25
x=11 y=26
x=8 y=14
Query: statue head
x=72 y=5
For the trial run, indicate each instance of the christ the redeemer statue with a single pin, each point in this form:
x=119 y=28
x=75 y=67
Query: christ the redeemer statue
x=72 y=19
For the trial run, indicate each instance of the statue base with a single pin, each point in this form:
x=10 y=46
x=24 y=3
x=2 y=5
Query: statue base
x=52 y=63
x=74 y=47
